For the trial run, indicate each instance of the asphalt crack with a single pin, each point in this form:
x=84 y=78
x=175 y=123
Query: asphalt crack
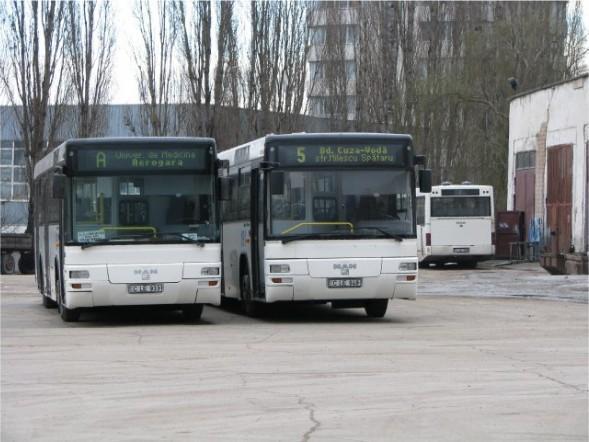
x=310 y=407
x=531 y=370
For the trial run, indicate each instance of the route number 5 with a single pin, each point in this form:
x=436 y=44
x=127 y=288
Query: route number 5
x=301 y=157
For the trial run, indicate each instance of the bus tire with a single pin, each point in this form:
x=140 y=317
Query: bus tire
x=67 y=314
x=48 y=302
x=468 y=264
x=192 y=312
x=8 y=264
x=249 y=306
x=376 y=308
x=27 y=263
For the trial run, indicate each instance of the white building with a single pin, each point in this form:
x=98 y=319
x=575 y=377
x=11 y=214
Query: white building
x=547 y=170
x=333 y=30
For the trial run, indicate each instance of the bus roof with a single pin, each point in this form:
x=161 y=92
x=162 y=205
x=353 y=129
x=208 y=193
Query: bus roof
x=135 y=140
x=337 y=136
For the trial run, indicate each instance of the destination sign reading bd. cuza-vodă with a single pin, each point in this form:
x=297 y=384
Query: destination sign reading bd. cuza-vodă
x=158 y=159
x=345 y=154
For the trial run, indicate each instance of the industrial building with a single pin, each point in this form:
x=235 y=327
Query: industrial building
x=547 y=171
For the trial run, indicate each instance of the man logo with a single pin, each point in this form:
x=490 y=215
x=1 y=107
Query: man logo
x=145 y=273
x=344 y=268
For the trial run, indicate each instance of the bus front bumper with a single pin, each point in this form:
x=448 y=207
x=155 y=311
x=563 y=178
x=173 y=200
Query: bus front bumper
x=104 y=293
x=479 y=252
x=305 y=288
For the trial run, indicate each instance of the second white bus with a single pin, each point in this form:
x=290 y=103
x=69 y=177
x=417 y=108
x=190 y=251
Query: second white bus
x=322 y=218
x=456 y=223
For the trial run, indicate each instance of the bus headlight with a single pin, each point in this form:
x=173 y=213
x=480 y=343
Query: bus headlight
x=279 y=268
x=79 y=274
x=408 y=266
x=210 y=271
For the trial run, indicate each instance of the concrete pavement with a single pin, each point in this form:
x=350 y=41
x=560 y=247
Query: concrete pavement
x=441 y=368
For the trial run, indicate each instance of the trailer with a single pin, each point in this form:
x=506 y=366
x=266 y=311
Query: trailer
x=17 y=253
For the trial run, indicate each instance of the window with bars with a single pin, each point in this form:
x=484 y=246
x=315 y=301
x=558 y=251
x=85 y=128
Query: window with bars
x=525 y=160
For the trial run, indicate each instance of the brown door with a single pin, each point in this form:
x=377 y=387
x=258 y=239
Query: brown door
x=559 y=197
x=525 y=182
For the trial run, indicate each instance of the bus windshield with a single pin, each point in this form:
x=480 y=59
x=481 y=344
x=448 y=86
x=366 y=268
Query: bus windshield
x=459 y=206
x=174 y=208
x=368 y=203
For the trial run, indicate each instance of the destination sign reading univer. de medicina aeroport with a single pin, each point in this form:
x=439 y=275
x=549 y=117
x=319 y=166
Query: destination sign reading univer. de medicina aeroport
x=339 y=155
x=141 y=159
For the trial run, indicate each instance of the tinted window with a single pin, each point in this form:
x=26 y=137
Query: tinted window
x=458 y=206
x=344 y=202
x=154 y=207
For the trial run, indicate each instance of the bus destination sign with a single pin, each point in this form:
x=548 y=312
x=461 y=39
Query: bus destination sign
x=345 y=154
x=144 y=159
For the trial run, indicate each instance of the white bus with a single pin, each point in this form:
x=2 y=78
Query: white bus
x=128 y=221
x=322 y=218
x=456 y=223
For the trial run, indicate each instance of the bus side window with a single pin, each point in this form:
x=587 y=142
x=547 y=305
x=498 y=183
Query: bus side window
x=420 y=210
x=244 y=179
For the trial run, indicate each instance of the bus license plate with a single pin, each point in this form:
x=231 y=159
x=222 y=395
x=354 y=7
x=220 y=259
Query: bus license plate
x=144 y=288
x=344 y=283
x=461 y=250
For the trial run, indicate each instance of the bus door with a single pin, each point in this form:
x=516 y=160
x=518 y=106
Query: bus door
x=559 y=198
x=420 y=225
x=257 y=232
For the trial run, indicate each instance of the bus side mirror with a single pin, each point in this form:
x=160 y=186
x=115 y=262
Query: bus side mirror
x=425 y=180
x=58 y=186
x=224 y=188
x=276 y=183
x=419 y=160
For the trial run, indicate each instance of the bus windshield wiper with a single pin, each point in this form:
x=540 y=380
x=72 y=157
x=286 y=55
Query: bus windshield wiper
x=383 y=231
x=185 y=235
x=106 y=241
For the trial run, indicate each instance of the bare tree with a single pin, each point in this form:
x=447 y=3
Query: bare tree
x=439 y=71
x=89 y=52
x=294 y=48
x=576 y=47
x=157 y=76
x=33 y=35
x=193 y=20
x=277 y=67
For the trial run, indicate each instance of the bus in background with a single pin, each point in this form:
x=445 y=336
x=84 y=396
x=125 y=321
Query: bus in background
x=456 y=223
x=128 y=221
x=322 y=218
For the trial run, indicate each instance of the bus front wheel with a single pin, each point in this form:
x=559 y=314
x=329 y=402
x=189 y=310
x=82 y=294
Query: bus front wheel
x=48 y=302
x=192 y=312
x=376 y=308
x=67 y=314
x=250 y=307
